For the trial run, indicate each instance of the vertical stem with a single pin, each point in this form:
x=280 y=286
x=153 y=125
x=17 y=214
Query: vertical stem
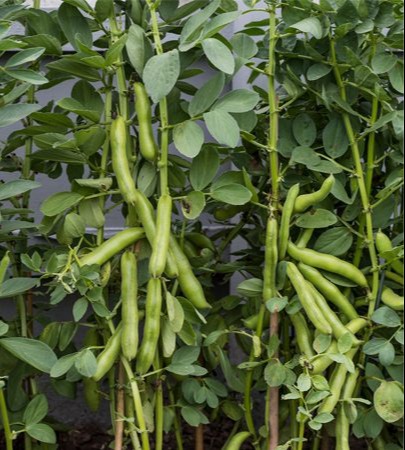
x=176 y=423
x=159 y=408
x=8 y=434
x=199 y=437
x=163 y=110
x=137 y=404
x=120 y=409
x=361 y=183
x=274 y=395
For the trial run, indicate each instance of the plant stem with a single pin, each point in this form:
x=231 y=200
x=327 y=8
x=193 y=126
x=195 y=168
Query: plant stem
x=163 y=110
x=199 y=437
x=176 y=422
x=137 y=404
x=274 y=395
x=159 y=408
x=8 y=434
x=361 y=183
x=120 y=410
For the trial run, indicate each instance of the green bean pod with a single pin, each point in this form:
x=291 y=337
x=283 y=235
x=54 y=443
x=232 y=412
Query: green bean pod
x=307 y=300
x=342 y=423
x=392 y=299
x=200 y=240
x=337 y=326
x=288 y=210
x=305 y=201
x=321 y=363
x=120 y=163
x=147 y=143
x=384 y=244
x=147 y=218
x=112 y=246
x=329 y=263
x=237 y=441
x=329 y=290
x=151 y=331
x=338 y=380
x=109 y=355
x=5 y=262
x=303 y=335
x=189 y=284
x=160 y=246
x=91 y=388
x=129 y=309
x=270 y=260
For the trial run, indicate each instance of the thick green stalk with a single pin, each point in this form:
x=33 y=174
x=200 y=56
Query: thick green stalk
x=163 y=110
x=176 y=422
x=159 y=408
x=274 y=394
x=356 y=154
x=137 y=404
x=8 y=434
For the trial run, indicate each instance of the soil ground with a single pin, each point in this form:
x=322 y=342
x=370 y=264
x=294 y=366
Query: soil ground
x=92 y=437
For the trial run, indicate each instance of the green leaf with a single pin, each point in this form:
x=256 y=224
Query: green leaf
x=251 y=288
x=207 y=94
x=318 y=71
x=223 y=127
x=383 y=63
x=51 y=44
x=387 y=317
x=335 y=138
x=4 y=327
x=36 y=410
x=318 y=218
x=175 y=313
x=42 y=432
x=232 y=194
x=17 y=187
x=193 y=416
x=276 y=304
x=11 y=114
x=16 y=286
x=275 y=374
x=188 y=138
x=193 y=205
x=74 y=26
x=35 y=353
x=204 y=168
x=24 y=56
x=389 y=402
x=70 y=65
x=219 y=55
x=70 y=104
x=135 y=47
x=189 y=33
x=336 y=241
x=310 y=25
x=304 y=130
x=86 y=363
x=161 y=73
x=396 y=76
x=322 y=342
x=237 y=101
x=374 y=346
x=244 y=46
x=186 y=355
x=60 y=202
x=63 y=365
x=304 y=382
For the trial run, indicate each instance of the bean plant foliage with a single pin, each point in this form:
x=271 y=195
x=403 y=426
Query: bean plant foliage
x=257 y=275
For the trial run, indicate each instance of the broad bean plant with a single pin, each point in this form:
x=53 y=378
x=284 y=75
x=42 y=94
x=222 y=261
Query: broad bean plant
x=257 y=274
